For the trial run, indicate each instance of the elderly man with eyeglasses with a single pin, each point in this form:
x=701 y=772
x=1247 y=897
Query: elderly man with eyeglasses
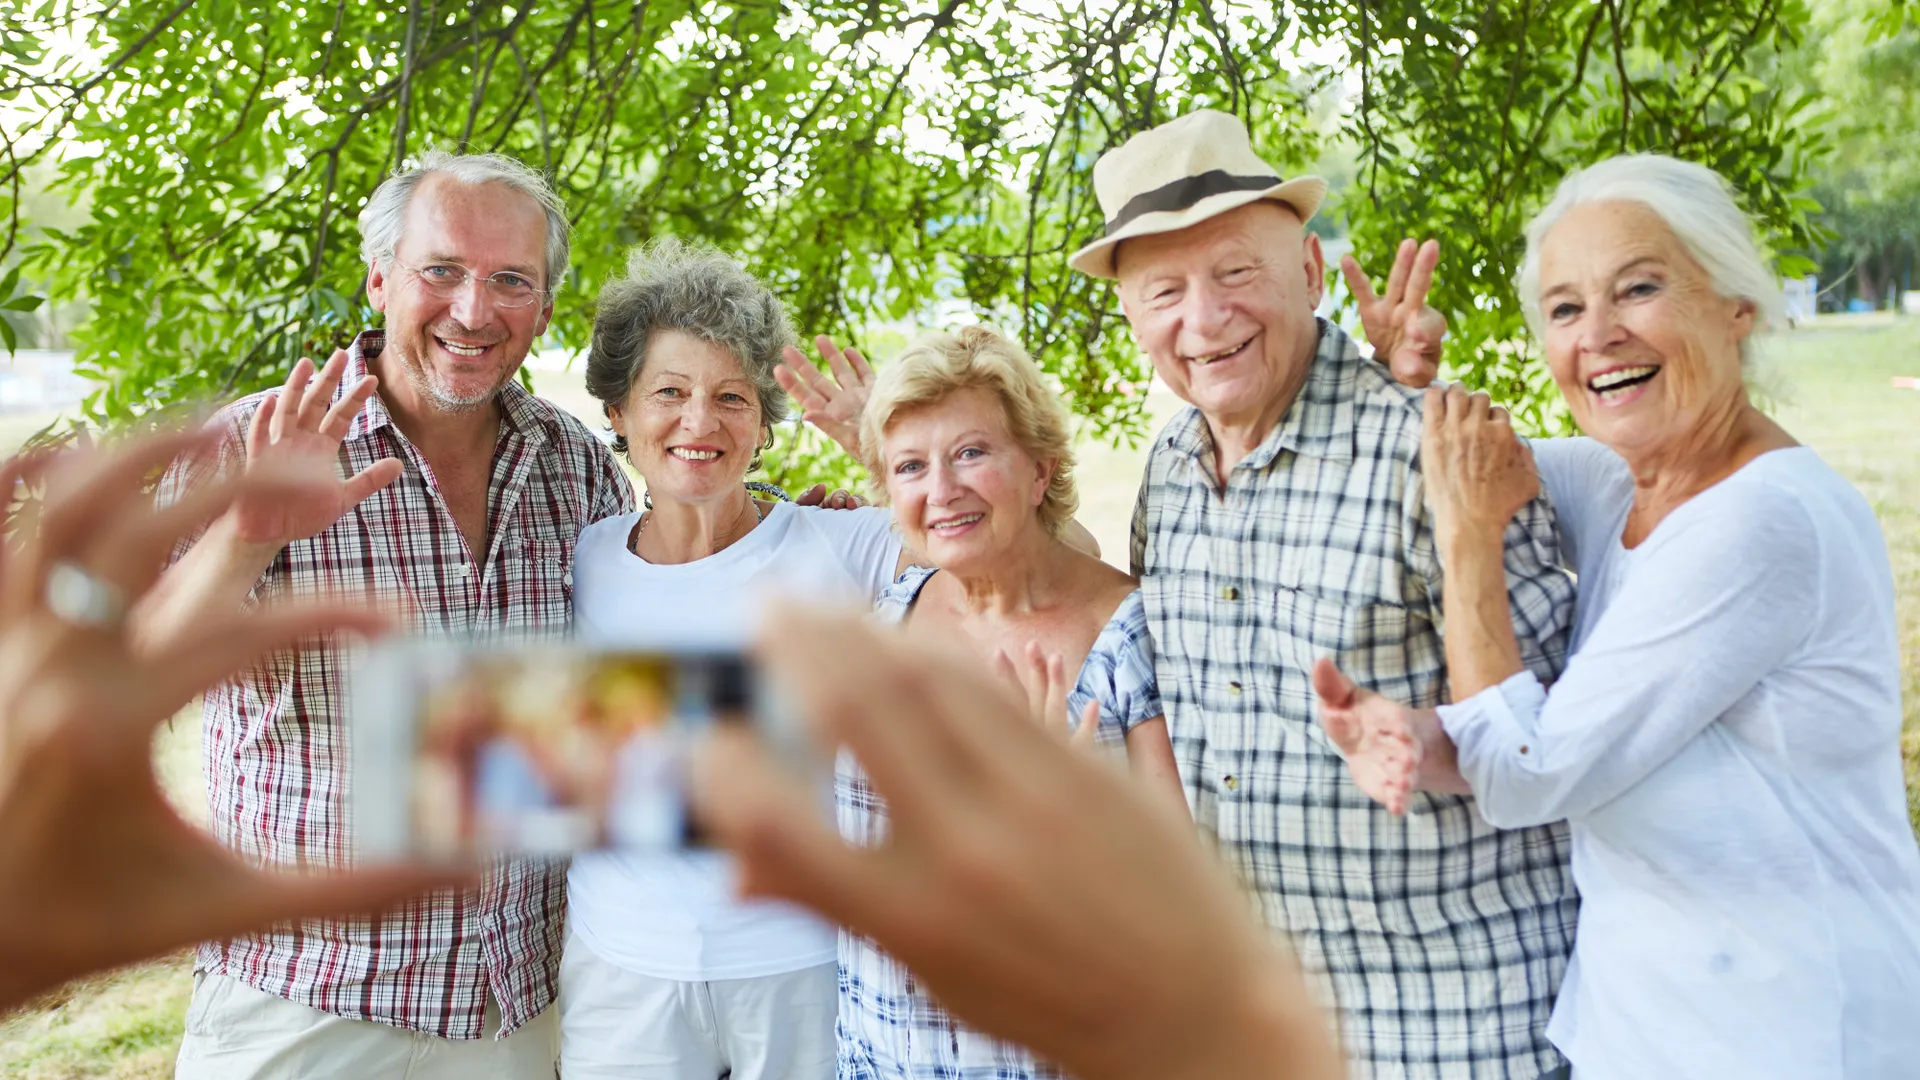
x=460 y=498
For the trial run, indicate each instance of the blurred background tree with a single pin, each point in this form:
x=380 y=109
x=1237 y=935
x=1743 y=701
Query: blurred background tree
x=1862 y=57
x=883 y=163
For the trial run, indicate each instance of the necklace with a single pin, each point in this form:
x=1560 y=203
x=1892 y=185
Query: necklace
x=640 y=528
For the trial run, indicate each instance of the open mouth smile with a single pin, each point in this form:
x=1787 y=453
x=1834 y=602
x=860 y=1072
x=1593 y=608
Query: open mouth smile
x=1224 y=354
x=1618 y=383
x=688 y=453
x=954 y=524
x=460 y=348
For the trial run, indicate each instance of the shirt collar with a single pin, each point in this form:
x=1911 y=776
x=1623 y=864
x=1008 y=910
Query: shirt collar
x=1319 y=423
x=519 y=408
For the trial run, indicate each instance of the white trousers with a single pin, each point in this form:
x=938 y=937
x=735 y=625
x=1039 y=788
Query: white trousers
x=618 y=1024
x=235 y=1032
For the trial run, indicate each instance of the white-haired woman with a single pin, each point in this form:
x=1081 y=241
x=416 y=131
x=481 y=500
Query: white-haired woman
x=972 y=450
x=664 y=974
x=1724 y=740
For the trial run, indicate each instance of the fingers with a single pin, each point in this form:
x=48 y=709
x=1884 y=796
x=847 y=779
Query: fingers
x=292 y=392
x=1357 y=282
x=1477 y=405
x=801 y=379
x=91 y=493
x=754 y=807
x=1433 y=415
x=1420 y=280
x=813 y=496
x=260 y=431
x=207 y=654
x=316 y=401
x=132 y=554
x=853 y=685
x=340 y=417
x=266 y=896
x=861 y=369
x=1088 y=732
x=843 y=369
x=1403 y=259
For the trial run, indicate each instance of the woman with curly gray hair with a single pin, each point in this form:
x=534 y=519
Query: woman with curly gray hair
x=664 y=973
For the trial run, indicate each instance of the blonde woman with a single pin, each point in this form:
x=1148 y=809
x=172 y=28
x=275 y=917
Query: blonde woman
x=971 y=449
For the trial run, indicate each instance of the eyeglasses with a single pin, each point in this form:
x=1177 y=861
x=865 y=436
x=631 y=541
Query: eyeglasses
x=446 y=280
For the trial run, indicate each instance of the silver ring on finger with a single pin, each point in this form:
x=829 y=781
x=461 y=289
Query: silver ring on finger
x=75 y=595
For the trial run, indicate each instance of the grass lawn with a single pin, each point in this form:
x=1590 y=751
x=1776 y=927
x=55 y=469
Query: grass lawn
x=1833 y=389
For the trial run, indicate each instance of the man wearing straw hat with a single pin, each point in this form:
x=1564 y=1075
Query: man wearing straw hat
x=1281 y=520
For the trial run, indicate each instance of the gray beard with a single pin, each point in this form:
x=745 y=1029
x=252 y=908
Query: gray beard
x=442 y=398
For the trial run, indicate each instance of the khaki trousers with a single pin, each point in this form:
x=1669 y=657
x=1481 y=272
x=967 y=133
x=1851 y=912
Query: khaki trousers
x=619 y=1025
x=235 y=1032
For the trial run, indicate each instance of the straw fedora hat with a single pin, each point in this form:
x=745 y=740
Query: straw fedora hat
x=1182 y=173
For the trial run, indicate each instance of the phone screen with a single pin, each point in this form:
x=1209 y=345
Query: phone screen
x=462 y=751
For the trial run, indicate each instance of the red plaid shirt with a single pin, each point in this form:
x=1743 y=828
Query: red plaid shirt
x=275 y=751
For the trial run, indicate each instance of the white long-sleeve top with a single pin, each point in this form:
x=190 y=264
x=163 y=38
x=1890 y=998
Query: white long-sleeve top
x=1724 y=743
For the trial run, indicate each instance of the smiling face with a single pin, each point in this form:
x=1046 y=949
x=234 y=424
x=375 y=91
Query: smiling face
x=457 y=351
x=964 y=492
x=692 y=419
x=1637 y=339
x=1225 y=310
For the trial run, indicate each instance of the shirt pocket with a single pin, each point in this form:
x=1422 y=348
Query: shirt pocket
x=536 y=586
x=1374 y=644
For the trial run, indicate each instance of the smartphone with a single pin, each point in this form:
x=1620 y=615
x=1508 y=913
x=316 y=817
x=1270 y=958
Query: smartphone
x=463 y=751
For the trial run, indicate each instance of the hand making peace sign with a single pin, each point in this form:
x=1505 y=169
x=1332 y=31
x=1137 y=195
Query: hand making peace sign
x=1404 y=331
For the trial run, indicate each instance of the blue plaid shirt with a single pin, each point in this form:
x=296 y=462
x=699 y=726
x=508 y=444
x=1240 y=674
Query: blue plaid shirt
x=1440 y=939
x=889 y=1028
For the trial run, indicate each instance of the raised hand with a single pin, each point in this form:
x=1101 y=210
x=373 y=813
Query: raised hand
x=302 y=428
x=1041 y=677
x=1404 y=331
x=96 y=867
x=1477 y=472
x=831 y=404
x=1375 y=735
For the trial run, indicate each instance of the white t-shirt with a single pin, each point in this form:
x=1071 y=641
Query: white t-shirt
x=1724 y=745
x=674 y=916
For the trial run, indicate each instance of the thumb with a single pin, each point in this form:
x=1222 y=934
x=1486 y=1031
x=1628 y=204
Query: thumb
x=373 y=478
x=1334 y=689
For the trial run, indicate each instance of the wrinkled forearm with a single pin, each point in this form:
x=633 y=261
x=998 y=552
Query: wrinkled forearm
x=1480 y=644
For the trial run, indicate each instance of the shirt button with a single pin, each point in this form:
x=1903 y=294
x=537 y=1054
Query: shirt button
x=1229 y=593
x=566 y=578
x=1233 y=688
x=461 y=570
x=1232 y=783
x=1523 y=748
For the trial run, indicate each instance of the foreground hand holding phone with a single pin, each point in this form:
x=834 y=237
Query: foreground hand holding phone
x=1038 y=893
x=97 y=869
x=1031 y=887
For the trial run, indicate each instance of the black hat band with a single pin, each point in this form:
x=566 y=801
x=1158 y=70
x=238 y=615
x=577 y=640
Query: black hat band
x=1185 y=192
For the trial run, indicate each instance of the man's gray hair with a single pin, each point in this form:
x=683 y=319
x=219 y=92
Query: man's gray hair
x=698 y=290
x=1694 y=202
x=386 y=211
